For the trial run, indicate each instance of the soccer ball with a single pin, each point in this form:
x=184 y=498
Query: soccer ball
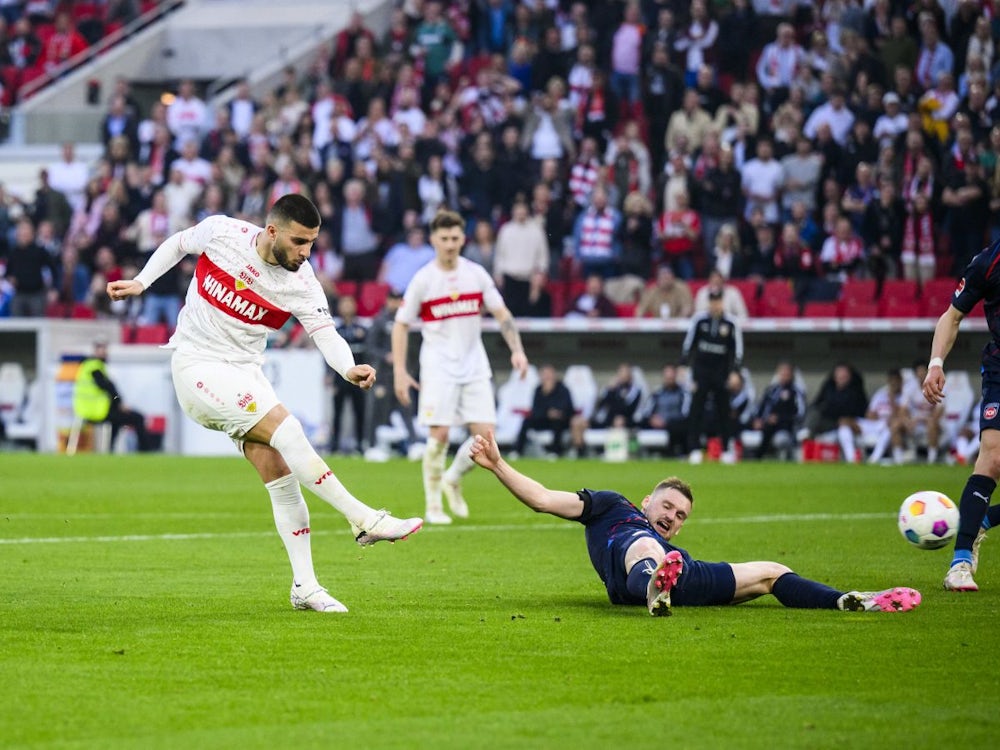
x=928 y=519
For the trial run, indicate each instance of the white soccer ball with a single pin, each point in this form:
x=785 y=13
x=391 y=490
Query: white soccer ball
x=928 y=519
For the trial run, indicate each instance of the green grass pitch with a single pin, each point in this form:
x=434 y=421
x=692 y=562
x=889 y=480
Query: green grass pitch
x=145 y=604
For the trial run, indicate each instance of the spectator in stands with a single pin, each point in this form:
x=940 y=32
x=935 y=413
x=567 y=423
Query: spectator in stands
x=242 y=109
x=436 y=189
x=72 y=279
x=689 y=124
x=669 y=297
x=800 y=177
x=69 y=176
x=966 y=198
x=597 y=236
x=346 y=41
x=548 y=130
x=966 y=446
x=617 y=406
x=667 y=409
x=379 y=351
x=892 y=122
x=24 y=48
x=713 y=348
x=778 y=65
x=637 y=248
x=733 y=304
x=679 y=232
x=187 y=115
x=64 y=43
x=935 y=56
x=917 y=419
x=592 y=302
x=585 y=173
x=838 y=405
x=180 y=196
x=521 y=252
x=628 y=163
x=842 y=254
x=120 y=122
x=835 y=114
x=355 y=234
x=626 y=57
x=479 y=186
x=191 y=165
x=861 y=193
x=162 y=300
x=719 y=192
x=728 y=257
x=481 y=247
x=405 y=258
x=356 y=335
x=761 y=181
x=882 y=229
x=780 y=412
x=551 y=409
x=51 y=205
x=433 y=44
x=29 y=272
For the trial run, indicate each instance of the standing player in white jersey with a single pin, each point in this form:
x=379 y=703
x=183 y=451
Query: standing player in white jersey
x=448 y=295
x=249 y=281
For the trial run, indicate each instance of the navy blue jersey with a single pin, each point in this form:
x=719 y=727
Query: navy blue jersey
x=981 y=281
x=613 y=525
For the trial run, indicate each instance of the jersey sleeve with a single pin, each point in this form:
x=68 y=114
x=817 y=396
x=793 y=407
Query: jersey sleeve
x=311 y=308
x=972 y=287
x=409 y=311
x=492 y=299
x=596 y=503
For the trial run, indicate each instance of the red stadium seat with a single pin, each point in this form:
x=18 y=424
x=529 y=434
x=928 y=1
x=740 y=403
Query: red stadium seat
x=899 y=299
x=157 y=333
x=858 y=290
x=777 y=300
x=750 y=291
x=936 y=296
x=854 y=308
x=557 y=295
x=821 y=310
x=371 y=298
x=346 y=288
x=625 y=310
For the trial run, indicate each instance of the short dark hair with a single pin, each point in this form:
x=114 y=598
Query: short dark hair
x=675 y=483
x=446 y=219
x=294 y=208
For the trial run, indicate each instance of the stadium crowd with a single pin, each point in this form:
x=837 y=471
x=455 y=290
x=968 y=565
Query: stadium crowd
x=619 y=158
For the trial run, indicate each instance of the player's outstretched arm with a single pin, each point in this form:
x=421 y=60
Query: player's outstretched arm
x=532 y=493
x=122 y=289
x=945 y=333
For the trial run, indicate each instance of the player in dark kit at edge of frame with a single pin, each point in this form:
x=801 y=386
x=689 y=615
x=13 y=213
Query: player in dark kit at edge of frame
x=248 y=281
x=980 y=281
x=631 y=550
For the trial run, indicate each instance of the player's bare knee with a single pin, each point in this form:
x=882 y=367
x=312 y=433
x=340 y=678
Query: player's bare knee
x=642 y=549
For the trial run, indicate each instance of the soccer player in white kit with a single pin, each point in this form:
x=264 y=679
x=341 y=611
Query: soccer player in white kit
x=448 y=296
x=248 y=281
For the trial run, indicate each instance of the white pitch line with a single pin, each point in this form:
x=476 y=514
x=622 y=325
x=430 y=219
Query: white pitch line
x=777 y=518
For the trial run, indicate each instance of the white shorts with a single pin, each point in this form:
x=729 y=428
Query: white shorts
x=221 y=396
x=442 y=402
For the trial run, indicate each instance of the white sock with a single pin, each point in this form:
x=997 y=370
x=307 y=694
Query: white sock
x=845 y=436
x=462 y=464
x=311 y=471
x=898 y=454
x=932 y=455
x=291 y=516
x=881 y=444
x=433 y=468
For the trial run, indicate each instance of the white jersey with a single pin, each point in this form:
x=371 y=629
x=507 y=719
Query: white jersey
x=235 y=299
x=883 y=405
x=450 y=305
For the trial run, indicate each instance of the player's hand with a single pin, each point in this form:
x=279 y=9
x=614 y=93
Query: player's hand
x=122 y=289
x=363 y=376
x=402 y=383
x=519 y=361
x=934 y=385
x=485 y=451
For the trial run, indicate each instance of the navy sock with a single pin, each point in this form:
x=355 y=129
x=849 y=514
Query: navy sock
x=972 y=509
x=793 y=590
x=638 y=577
x=992 y=517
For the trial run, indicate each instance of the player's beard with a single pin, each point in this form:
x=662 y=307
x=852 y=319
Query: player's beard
x=285 y=260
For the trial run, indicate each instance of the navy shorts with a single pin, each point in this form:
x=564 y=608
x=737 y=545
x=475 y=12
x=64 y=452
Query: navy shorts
x=989 y=417
x=701 y=584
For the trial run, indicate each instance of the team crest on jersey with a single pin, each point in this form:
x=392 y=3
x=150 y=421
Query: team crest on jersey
x=961 y=286
x=990 y=411
x=724 y=330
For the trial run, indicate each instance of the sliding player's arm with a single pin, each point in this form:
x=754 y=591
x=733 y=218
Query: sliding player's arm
x=532 y=493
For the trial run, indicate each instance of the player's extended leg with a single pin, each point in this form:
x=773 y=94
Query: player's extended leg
x=653 y=573
x=291 y=517
x=462 y=464
x=433 y=468
x=972 y=508
x=755 y=579
x=284 y=433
